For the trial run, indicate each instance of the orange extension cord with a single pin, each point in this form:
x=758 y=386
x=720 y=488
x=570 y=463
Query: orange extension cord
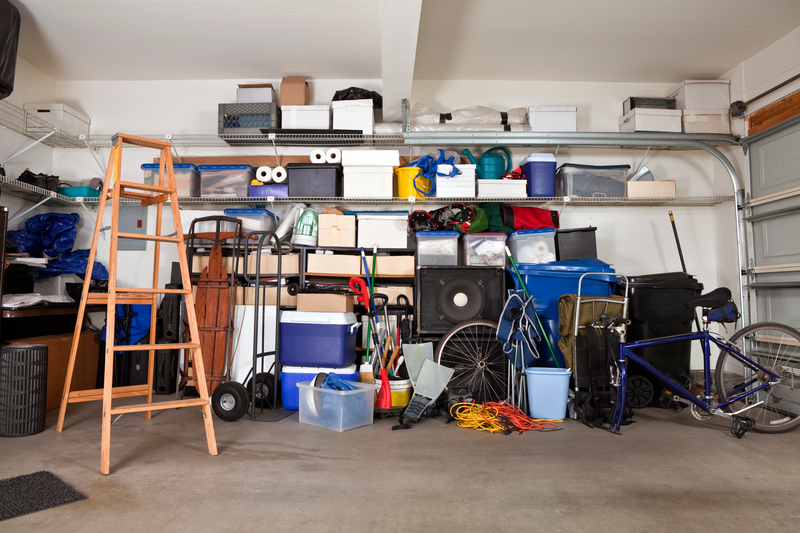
x=498 y=416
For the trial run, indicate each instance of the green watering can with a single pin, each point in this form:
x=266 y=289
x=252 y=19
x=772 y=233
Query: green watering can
x=491 y=166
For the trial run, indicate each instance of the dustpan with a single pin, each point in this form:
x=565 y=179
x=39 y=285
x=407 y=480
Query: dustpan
x=415 y=356
x=431 y=382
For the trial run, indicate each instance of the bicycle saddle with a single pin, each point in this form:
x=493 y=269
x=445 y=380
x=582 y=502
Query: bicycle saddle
x=713 y=299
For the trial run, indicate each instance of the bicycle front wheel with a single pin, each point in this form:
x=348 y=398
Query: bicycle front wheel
x=777 y=348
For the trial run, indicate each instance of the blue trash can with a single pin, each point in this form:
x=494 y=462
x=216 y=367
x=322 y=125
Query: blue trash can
x=548 y=389
x=546 y=283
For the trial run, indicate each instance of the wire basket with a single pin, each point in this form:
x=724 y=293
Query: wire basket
x=248 y=118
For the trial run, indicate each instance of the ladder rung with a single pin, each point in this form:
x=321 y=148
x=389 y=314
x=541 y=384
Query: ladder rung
x=142 y=237
x=152 y=291
x=166 y=346
x=175 y=404
x=122 y=299
x=116 y=392
x=143 y=187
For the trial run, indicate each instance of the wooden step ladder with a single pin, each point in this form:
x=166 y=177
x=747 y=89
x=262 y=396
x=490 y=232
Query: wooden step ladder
x=147 y=195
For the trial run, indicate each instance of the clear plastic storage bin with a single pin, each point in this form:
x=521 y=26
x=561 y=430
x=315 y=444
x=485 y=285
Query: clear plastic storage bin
x=337 y=410
x=187 y=178
x=226 y=180
x=483 y=249
x=591 y=181
x=533 y=246
x=254 y=219
x=437 y=248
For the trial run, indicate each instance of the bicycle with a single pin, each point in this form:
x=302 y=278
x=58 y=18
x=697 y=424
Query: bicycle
x=757 y=371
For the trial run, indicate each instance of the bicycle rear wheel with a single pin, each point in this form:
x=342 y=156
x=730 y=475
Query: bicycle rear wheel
x=777 y=348
x=473 y=351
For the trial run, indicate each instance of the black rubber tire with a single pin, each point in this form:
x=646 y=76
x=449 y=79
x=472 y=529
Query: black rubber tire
x=230 y=401
x=640 y=391
x=263 y=397
x=292 y=289
x=790 y=355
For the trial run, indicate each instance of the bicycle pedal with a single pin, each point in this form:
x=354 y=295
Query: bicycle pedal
x=741 y=425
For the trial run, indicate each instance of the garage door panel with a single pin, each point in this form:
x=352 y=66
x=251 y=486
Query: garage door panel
x=778 y=305
x=776 y=241
x=775 y=163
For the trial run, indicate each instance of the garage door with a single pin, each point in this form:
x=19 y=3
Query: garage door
x=775 y=225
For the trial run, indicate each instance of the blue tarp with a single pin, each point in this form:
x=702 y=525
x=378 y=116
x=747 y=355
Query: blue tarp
x=50 y=234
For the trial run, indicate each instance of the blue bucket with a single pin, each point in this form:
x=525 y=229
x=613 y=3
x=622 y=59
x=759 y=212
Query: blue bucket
x=548 y=389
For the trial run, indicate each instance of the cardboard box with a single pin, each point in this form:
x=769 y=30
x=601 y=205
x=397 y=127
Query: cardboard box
x=247 y=296
x=392 y=293
x=707 y=121
x=651 y=189
x=290 y=264
x=84 y=376
x=337 y=230
x=258 y=93
x=391 y=265
x=325 y=303
x=294 y=90
x=199 y=262
x=336 y=264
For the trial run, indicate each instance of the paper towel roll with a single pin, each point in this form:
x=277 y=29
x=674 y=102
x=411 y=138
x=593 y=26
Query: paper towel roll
x=279 y=174
x=264 y=174
x=334 y=155
x=318 y=156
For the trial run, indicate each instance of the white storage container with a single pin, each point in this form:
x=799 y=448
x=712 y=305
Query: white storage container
x=553 y=118
x=255 y=94
x=644 y=119
x=462 y=185
x=533 y=246
x=371 y=158
x=254 y=219
x=230 y=181
x=589 y=181
x=187 y=178
x=305 y=117
x=502 y=189
x=702 y=94
x=368 y=182
x=55 y=285
x=353 y=115
x=385 y=231
x=483 y=249
x=437 y=248
x=337 y=410
x=59 y=115
x=706 y=121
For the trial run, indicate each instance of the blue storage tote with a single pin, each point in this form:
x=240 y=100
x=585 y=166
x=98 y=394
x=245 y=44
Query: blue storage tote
x=187 y=178
x=548 y=389
x=546 y=283
x=318 y=339
x=292 y=375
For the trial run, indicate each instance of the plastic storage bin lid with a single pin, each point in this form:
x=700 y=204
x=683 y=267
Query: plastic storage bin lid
x=338 y=104
x=302 y=317
x=538 y=157
x=312 y=166
x=176 y=166
x=667 y=280
x=542 y=231
x=535 y=109
x=593 y=167
x=436 y=234
x=226 y=167
x=316 y=370
x=246 y=212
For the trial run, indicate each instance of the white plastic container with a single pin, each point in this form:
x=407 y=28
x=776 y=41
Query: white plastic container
x=368 y=182
x=370 y=158
x=533 y=246
x=644 y=119
x=706 y=121
x=305 y=117
x=589 y=181
x=254 y=219
x=553 y=118
x=483 y=249
x=59 y=115
x=502 y=188
x=353 y=115
x=337 y=410
x=702 y=94
x=187 y=178
x=384 y=231
x=462 y=185
x=231 y=181
x=437 y=248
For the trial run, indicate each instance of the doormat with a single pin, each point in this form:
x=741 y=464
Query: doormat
x=35 y=492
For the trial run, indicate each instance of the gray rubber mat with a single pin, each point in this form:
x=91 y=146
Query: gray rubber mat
x=35 y=492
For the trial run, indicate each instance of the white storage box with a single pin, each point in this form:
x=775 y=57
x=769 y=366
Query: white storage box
x=644 y=119
x=55 y=285
x=466 y=173
x=533 y=246
x=254 y=219
x=460 y=185
x=187 y=178
x=62 y=117
x=437 y=248
x=368 y=182
x=232 y=181
x=371 y=158
x=255 y=94
x=353 y=115
x=553 y=118
x=706 y=121
x=502 y=188
x=305 y=117
x=384 y=231
x=483 y=249
x=702 y=94
x=337 y=410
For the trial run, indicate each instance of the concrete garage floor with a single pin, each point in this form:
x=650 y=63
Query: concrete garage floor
x=667 y=472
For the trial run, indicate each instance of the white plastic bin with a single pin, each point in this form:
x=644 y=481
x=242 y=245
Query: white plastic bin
x=437 y=248
x=533 y=246
x=337 y=410
x=187 y=178
x=548 y=389
x=459 y=186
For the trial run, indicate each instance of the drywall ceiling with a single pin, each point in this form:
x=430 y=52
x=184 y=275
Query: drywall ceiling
x=595 y=40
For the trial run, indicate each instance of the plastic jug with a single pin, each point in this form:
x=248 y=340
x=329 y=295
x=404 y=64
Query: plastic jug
x=491 y=166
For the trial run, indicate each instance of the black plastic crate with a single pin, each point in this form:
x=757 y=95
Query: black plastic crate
x=650 y=103
x=576 y=243
x=248 y=118
x=313 y=180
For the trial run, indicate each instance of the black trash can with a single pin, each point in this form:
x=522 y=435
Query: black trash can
x=657 y=309
x=23 y=389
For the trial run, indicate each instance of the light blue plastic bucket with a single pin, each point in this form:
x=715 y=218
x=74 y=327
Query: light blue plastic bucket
x=547 y=392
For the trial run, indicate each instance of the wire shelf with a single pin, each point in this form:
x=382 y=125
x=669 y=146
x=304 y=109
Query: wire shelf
x=30 y=125
x=321 y=140
x=34 y=194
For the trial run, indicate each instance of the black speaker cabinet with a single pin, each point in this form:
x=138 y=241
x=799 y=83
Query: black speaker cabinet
x=446 y=296
x=171 y=317
x=165 y=378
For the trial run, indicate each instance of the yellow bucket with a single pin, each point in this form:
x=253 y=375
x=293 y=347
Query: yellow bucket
x=405 y=182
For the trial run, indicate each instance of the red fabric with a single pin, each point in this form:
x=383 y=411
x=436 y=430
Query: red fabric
x=519 y=218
